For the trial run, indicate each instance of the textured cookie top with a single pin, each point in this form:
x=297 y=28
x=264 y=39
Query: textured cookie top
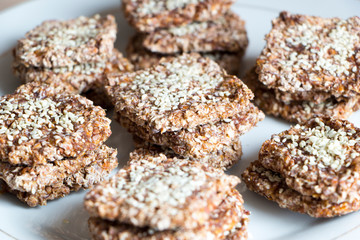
x=64 y=43
x=226 y=33
x=39 y=125
x=160 y=192
x=306 y=53
x=182 y=92
x=309 y=155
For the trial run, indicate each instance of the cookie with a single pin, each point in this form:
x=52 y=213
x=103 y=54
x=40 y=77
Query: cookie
x=272 y=186
x=310 y=55
x=160 y=192
x=205 y=140
x=224 y=221
x=298 y=111
x=148 y=15
x=67 y=43
x=40 y=125
x=183 y=92
x=35 y=185
x=225 y=157
x=142 y=58
x=319 y=158
x=81 y=77
x=224 y=34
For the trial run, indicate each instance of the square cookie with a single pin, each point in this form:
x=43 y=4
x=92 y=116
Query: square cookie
x=35 y=185
x=40 y=125
x=217 y=144
x=142 y=58
x=56 y=43
x=224 y=34
x=319 y=158
x=312 y=54
x=183 y=92
x=228 y=221
x=298 y=111
x=159 y=192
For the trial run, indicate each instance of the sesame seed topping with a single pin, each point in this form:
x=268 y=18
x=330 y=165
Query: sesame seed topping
x=310 y=53
x=323 y=146
x=28 y=118
x=183 y=80
x=325 y=49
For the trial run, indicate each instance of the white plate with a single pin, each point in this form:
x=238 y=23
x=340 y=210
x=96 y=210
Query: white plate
x=66 y=218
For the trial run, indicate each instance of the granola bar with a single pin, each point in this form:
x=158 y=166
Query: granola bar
x=311 y=54
x=273 y=186
x=40 y=125
x=183 y=92
x=319 y=158
x=56 y=43
x=148 y=15
x=35 y=185
x=226 y=34
x=228 y=217
x=160 y=192
x=203 y=140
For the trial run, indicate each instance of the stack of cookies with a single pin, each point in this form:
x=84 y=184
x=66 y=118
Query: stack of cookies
x=51 y=143
x=311 y=168
x=309 y=66
x=77 y=52
x=158 y=197
x=169 y=28
x=188 y=104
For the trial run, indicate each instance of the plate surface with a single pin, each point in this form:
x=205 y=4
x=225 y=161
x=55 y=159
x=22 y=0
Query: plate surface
x=66 y=218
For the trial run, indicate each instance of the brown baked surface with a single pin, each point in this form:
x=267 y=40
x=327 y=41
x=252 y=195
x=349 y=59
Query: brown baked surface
x=40 y=125
x=81 y=77
x=319 y=158
x=226 y=34
x=142 y=58
x=298 y=111
x=223 y=220
x=312 y=54
x=57 y=43
x=35 y=185
x=272 y=186
x=183 y=92
x=148 y=15
x=160 y=192
x=203 y=140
